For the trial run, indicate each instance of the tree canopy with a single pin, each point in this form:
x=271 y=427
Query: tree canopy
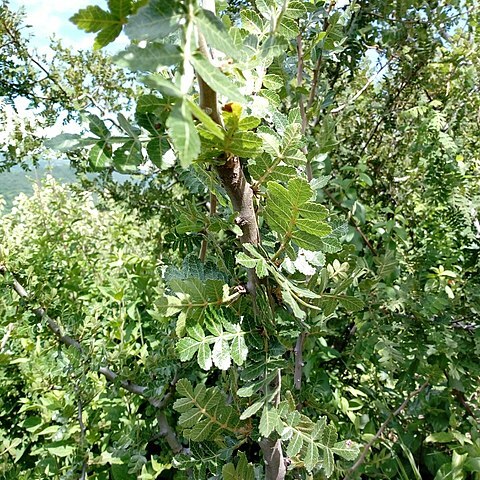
x=288 y=287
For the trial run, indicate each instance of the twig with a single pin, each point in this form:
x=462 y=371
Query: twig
x=41 y=314
x=298 y=353
x=166 y=431
x=27 y=53
x=6 y=336
x=213 y=210
x=318 y=65
x=359 y=93
x=301 y=104
x=353 y=223
x=382 y=428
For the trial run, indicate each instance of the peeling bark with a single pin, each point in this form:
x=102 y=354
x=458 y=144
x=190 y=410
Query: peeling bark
x=242 y=197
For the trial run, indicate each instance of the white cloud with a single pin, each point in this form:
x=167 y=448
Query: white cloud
x=51 y=17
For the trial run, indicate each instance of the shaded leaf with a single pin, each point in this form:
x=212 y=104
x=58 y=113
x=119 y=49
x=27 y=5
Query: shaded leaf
x=183 y=133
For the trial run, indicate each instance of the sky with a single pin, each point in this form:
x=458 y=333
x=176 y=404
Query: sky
x=51 y=17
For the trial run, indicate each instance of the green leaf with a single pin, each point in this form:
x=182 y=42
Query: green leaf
x=440 y=437
x=107 y=24
x=215 y=33
x=248 y=123
x=244 y=144
x=221 y=354
x=148 y=59
x=215 y=79
x=312 y=456
x=319 y=428
x=327 y=137
x=207 y=122
x=252 y=410
x=273 y=81
x=160 y=83
x=314 y=226
x=67 y=142
x=201 y=431
x=183 y=133
x=246 y=261
x=328 y=463
x=268 y=421
x=346 y=449
x=156 y=148
x=154 y=21
x=239 y=349
x=266 y=8
x=120 y=8
x=128 y=157
x=59 y=449
x=295 y=445
x=295 y=10
x=229 y=472
x=150 y=104
x=290 y=213
x=292 y=303
x=352 y=304
x=261 y=268
x=107 y=35
x=288 y=28
x=204 y=356
x=93 y=19
x=98 y=127
x=329 y=436
x=264 y=168
x=245 y=470
x=252 y=22
x=271 y=143
x=100 y=155
x=186 y=348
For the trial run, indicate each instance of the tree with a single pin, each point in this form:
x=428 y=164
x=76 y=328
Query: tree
x=268 y=114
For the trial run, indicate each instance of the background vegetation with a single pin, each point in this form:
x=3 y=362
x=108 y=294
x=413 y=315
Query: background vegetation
x=290 y=288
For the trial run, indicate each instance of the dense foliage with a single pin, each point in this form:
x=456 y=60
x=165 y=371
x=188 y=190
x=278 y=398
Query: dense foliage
x=292 y=290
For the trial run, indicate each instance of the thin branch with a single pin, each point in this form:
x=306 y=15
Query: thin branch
x=353 y=223
x=31 y=58
x=316 y=75
x=318 y=65
x=41 y=314
x=382 y=428
x=359 y=93
x=301 y=104
x=6 y=336
x=213 y=211
x=298 y=353
x=166 y=431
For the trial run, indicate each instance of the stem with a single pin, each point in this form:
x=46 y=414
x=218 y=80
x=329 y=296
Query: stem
x=213 y=210
x=41 y=314
x=382 y=428
x=241 y=195
x=16 y=41
x=274 y=463
x=298 y=352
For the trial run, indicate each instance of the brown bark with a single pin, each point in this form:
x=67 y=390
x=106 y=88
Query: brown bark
x=241 y=195
x=274 y=462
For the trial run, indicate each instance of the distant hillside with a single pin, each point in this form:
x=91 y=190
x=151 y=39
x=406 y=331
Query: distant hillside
x=19 y=181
